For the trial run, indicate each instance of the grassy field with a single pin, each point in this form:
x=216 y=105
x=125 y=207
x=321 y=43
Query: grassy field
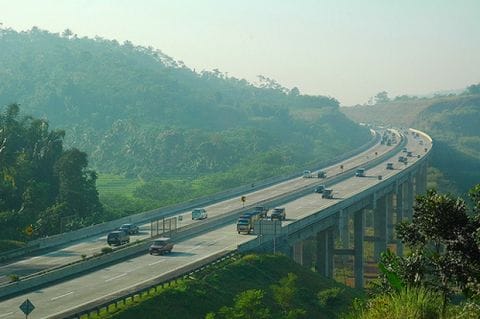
x=117 y=185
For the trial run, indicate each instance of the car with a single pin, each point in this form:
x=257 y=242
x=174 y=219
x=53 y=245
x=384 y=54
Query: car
x=160 y=246
x=118 y=237
x=319 y=189
x=307 y=174
x=321 y=174
x=360 y=172
x=278 y=213
x=199 y=213
x=389 y=165
x=130 y=229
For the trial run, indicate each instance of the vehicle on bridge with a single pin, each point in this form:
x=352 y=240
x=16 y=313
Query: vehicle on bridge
x=278 y=213
x=130 y=229
x=321 y=174
x=199 y=213
x=246 y=220
x=307 y=174
x=360 y=172
x=327 y=193
x=319 y=189
x=160 y=246
x=261 y=210
x=118 y=237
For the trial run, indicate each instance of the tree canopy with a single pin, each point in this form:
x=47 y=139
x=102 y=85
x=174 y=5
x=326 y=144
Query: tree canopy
x=41 y=183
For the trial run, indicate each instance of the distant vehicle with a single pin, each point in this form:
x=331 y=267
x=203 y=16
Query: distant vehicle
x=199 y=213
x=321 y=174
x=307 y=174
x=389 y=165
x=130 y=229
x=278 y=213
x=420 y=142
x=360 y=172
x=327 y=193
x=409 y=154
x=319 y=189
x=404 y=150
x=402 y=159
x=262 y=210
x=118 y=237
x=160 y=246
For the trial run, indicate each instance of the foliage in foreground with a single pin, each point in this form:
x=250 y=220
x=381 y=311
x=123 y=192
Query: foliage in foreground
x=443 y=262
x=255 y=286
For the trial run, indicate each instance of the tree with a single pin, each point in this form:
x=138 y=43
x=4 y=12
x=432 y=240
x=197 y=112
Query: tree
x=381 y=97
x=248 y=305
x=284 y=295
x=474 y=89
x=445 y=248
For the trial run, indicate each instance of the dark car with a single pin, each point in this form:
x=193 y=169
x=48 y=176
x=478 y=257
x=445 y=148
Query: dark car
x=160 y=246
x=118 y=237
x=278 y=213
x=319 y=189
x=130 y=229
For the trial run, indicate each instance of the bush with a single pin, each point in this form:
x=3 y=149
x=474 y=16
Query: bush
x=106 y=250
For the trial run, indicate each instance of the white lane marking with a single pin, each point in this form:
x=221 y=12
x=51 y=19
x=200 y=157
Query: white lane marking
x=157 y=262
x=116 y=277
x=64 y=295
x=194 y=248
x=6 y=314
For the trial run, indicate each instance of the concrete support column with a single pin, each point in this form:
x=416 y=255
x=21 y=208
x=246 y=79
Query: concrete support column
x=390 y=222
x=399 y=211
x=421 y=178
x=298 y=252
x=359 y=233
x=380 y=227
x=325 y=247
x=343 y=229
x=409 y=199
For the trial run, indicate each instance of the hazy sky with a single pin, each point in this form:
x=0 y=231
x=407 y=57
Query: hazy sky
x=347 y=49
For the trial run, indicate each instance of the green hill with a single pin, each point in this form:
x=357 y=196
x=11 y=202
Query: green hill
x=139 y=113
x=210 y=290
x=454 y=124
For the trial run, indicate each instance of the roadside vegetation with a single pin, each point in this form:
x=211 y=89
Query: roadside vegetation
x=254 y=286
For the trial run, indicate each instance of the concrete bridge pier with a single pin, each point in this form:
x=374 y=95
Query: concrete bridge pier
x=380 y=227
x=399 y=212
x=421 y=180
x=358 y=234
x=325 y=250
x=409 y=197
x=343 y=229
x=390 y=217
x=297 y=252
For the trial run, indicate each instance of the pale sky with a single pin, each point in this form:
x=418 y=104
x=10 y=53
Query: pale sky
x=347 y=49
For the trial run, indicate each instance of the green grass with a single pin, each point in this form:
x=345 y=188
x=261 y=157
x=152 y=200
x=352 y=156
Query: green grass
x=108 y=184
x=215 y=287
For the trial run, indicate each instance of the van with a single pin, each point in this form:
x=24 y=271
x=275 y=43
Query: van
x=118 y=237
x=199 y=213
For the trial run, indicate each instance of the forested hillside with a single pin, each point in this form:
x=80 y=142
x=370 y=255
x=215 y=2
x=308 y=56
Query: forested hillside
x=137 y=112
x=454 y=124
